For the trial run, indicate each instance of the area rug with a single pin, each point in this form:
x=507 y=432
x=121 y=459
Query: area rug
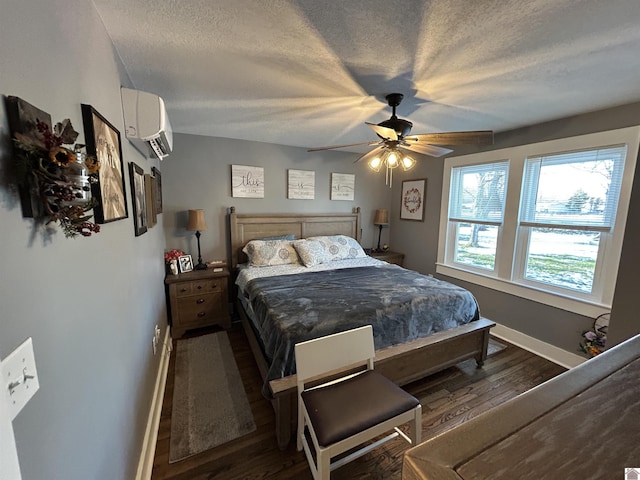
x=210 y=406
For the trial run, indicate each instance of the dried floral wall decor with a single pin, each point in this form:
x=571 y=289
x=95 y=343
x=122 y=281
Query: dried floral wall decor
x=53 y=173
x=103 y=141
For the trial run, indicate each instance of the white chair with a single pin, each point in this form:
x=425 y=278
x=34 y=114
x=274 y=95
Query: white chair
x=351 y=408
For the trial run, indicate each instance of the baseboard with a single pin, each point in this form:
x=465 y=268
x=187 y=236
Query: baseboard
x=542 y=349
x=145 y=465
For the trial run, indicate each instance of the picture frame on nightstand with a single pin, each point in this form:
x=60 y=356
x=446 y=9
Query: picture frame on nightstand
x=185 y=263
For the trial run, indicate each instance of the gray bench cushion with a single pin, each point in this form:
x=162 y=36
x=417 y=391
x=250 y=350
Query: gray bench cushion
x=343 y=409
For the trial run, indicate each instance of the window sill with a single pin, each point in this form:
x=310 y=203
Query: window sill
x=581 y=307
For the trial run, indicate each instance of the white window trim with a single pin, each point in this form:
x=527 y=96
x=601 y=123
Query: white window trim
x=502 y=278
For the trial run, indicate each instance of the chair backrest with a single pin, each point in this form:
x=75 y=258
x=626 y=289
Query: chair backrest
x=334 y=352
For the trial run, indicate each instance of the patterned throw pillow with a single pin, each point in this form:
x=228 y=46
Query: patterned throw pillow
x=311 y=252
x=340 y=247
x=264 y=253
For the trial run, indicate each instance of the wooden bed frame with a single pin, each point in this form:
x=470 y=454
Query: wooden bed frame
x=402 y=363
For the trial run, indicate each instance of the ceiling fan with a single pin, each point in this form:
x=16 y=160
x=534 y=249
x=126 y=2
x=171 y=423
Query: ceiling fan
x=395 y=140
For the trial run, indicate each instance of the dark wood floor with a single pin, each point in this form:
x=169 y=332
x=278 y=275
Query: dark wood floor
x=448 y=399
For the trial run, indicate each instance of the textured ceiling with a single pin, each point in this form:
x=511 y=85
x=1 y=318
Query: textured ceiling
x=311 y=72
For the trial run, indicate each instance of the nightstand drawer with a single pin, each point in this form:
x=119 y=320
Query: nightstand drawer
x=200 y=286
x=199 y=307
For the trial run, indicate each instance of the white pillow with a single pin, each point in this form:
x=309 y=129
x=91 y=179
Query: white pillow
x=311 y=252
x=340 y=247
x=262 y=253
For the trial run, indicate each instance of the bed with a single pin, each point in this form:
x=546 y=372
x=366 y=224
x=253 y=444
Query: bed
x=581 y=424
x=403 y=357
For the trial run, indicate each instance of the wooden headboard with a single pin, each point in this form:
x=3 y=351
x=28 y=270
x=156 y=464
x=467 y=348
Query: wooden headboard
x=245 y=227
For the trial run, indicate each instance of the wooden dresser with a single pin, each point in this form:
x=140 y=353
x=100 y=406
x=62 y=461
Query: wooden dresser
x=389 y=256
x=198 y=299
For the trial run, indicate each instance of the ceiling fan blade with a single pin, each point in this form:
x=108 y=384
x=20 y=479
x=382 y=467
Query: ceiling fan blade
x=316 y=149
x=370 y=154
x=480 y=137
x=384 y=132
x=426 y=149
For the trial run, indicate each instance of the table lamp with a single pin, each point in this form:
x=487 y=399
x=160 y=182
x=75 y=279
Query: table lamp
x=381 y=219
x=196 y=222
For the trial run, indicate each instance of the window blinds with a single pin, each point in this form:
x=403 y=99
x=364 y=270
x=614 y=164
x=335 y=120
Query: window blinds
x=478 y=193
x=573 y=190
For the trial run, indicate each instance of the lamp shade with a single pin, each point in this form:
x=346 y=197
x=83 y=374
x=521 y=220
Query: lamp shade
x=382 y=217
x=196 y=220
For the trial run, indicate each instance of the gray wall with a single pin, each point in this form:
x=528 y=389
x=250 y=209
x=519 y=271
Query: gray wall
x=555 y=326
x=419 y=240
x=198 y=175
x=90 y=304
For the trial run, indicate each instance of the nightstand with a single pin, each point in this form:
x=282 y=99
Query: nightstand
x=198 y=299
x=389 y=256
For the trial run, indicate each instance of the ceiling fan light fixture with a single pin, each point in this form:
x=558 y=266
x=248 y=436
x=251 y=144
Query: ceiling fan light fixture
x=393 y=158
x=375 y=163
x=407 y=163
x=395 y=137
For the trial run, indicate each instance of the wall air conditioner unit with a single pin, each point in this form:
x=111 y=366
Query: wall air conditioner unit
x=146 y=122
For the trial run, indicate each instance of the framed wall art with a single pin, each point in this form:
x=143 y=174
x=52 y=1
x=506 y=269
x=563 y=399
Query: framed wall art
x=301 y=184
x=158 y=178
x=413 y=199
x=103 y=141
x=247 y=181
x=150 y=200
x=138 y=193
x=343 y=186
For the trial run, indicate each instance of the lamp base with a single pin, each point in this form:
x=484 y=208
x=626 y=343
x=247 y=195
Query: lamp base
x=379 y=233
x=200 y=265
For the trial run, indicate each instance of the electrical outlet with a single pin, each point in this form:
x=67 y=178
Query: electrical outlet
x=157 y=333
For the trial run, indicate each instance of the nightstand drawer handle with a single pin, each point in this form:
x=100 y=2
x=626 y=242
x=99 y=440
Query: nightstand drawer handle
x=202 y=314
x=200 y=301
x=183 y=290
x=199 y=287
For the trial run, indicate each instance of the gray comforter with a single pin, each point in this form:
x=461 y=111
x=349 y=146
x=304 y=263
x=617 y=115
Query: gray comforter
x=400 y=304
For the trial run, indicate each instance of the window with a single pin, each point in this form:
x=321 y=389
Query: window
x=476 y=213
x=543 y=221
x=569 y=203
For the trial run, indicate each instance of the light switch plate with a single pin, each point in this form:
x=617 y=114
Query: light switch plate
x=19 y=377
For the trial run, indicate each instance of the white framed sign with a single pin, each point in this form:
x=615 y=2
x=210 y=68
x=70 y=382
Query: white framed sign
x=247 y=182
x=302 y=184
x=412 y=201
x=343 y=186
